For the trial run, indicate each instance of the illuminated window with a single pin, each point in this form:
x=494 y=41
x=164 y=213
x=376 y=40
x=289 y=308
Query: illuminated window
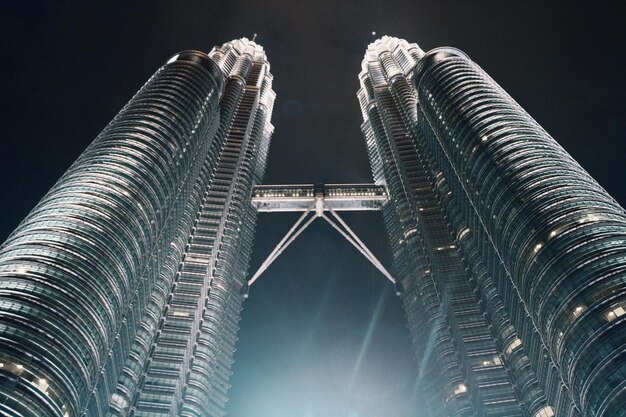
x=461 y=388
x=615 y=312
x=546 y=411
x=492 y=362
x=455 y=391
x=42 y=385
x=578 y=310
x=511 y=347
x=590 y=218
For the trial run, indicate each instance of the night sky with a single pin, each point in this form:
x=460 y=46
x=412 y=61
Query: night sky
x=322 y=334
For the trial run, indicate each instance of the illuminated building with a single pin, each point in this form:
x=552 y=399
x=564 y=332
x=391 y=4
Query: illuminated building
x=120 y=292
x=509 y=256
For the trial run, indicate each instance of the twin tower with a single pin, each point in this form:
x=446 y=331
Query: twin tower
x=121 y=292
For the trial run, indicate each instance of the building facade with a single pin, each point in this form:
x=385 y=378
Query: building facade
x=120 y=292
x=510 y=258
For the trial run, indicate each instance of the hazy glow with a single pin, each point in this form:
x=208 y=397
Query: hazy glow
x=317 y=339
x=366 y=341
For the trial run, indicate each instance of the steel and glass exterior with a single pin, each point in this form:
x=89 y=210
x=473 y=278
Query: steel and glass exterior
x=510 y=257
x=120 y=292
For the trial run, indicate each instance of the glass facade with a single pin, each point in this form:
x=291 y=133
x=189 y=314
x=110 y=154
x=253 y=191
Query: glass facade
x=510 y=255
x=119 y=293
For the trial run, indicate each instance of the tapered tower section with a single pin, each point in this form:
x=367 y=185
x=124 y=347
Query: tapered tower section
x=76 y=274
x=120 y=292
x=510 y=256
x=553 y=241
x=461 y=356
x=189 y=366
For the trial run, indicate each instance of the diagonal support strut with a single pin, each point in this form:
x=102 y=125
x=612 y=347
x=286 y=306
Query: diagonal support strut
x=291 y=235
x=318 y=209
x=357 y=243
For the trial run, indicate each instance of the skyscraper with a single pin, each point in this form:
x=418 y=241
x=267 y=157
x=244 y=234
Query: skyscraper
x=509 y=256
x=120 y=292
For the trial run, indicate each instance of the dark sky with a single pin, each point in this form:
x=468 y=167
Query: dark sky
x=322 y=334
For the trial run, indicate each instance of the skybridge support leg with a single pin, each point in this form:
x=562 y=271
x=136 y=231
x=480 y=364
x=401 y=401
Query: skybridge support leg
x=318 y=210
x=291 y=235
x=351 y=237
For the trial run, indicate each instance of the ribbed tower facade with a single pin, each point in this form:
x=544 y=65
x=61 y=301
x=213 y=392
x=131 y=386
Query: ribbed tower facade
x=120 y=292
x=510 y=258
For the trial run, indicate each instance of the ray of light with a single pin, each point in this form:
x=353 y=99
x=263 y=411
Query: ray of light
x=368 y=336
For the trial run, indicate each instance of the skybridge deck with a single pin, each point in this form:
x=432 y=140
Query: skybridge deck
x=301 y=197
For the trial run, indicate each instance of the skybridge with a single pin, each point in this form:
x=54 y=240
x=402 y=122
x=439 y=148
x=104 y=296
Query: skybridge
x=301 y=197
x=318 y=201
